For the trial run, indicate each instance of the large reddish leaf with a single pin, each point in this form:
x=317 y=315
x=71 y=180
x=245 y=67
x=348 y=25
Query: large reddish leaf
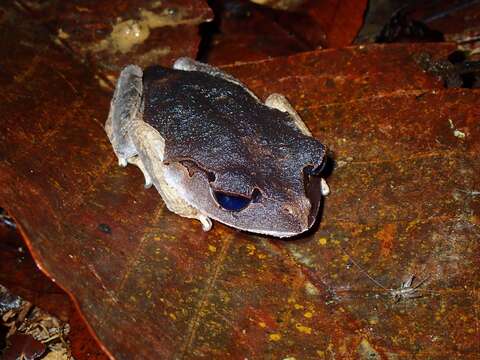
x=110 y=33
x=20 y=275
x=459 y=22
x=339 y=21
x=153 y=285
x=243 y=31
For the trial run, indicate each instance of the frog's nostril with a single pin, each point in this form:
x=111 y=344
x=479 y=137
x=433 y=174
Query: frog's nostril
x=256 y=195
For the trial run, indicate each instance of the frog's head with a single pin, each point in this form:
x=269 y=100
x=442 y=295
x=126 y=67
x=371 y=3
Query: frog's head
x=276 y=192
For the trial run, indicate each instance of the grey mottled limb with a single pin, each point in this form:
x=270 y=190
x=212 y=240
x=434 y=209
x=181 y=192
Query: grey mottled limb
x=136 y=160
x=124 y=109
x=188 y=64
x=151 y=148
x=280 y=102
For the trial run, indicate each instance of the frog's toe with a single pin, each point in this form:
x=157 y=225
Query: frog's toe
x=122 y=162
x=148 y=178
x=148 y=181
x=325 y=189
x=206 y=222
x=138 y=162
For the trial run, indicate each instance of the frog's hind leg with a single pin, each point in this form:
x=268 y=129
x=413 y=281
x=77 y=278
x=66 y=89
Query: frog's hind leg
x=280 y=102
x=125 y=108
x=125 y=111
x=188 y=64
x=151 y=148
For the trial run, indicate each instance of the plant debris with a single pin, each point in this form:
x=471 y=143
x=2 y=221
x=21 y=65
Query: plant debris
x=31 y=332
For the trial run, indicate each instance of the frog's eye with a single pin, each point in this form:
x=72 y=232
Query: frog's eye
x=231 y=202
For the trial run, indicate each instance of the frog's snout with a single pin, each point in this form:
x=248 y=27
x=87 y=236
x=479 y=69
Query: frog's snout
x=297 y=217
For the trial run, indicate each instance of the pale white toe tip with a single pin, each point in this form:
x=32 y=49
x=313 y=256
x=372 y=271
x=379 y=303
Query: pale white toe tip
x=206 y=223
x=325 y=189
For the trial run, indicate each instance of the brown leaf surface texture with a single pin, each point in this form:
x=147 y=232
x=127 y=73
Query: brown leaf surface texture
x=404 y=201
x=111 y=34
x=339 y=21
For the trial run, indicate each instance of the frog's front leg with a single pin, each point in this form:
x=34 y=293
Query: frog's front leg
x=135 y=160
x=151 y=148
x=280 y=102
x=125 y=110
x=125 y=107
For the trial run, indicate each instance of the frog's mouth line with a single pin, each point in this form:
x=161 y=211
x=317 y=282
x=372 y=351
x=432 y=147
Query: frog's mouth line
x=233 y=205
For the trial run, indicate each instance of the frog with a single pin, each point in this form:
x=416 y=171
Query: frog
x=214 y=150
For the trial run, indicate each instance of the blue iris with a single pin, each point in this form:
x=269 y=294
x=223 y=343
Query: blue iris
x=231 y=202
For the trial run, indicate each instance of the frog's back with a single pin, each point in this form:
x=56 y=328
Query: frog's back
x=183 y=103
x=211 y=117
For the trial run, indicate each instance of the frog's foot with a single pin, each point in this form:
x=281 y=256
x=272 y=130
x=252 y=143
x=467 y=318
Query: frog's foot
x=122 y=162
x=135 y=160
x=280 y=102
x=206 y=222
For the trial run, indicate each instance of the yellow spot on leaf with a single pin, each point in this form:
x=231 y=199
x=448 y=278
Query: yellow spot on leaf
x=250 y=249
x=387 y=238
x=475 y=219
x=172 y=316
x=303 y=329
x=261 y=256
x=262 y=324
x=62 y=34
x=274 y=337
x=212 y=248
x=308 y=315
x=345 y=258
x=322 y=241
x=412 y=224
x=129 y=33
x=298 y=306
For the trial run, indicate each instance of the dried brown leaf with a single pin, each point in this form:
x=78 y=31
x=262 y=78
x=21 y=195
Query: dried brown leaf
x=404 y=201
x=23 y=347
